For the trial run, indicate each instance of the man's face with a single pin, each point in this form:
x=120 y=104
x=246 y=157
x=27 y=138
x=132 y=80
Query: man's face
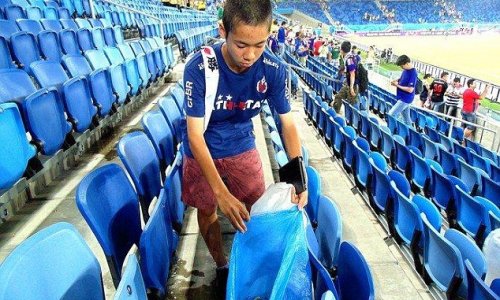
x=456 y=84
x=244 y=45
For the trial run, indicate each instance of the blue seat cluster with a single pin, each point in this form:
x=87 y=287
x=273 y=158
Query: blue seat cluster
x=409 y=173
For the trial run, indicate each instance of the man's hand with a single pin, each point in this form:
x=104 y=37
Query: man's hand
x=300 y=200
x=234 y=210
x=394 y=82
x=353 y=93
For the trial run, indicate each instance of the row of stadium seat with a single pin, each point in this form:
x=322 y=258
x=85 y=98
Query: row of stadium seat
x=73 y=7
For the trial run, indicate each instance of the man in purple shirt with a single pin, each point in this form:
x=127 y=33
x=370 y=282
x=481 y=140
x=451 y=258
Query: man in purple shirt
x=405 y=89
x=350 y=90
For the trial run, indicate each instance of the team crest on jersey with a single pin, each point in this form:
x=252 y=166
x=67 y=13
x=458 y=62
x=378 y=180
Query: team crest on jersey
x=262 y=85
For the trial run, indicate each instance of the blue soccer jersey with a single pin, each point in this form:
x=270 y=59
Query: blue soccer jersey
x=239 y=98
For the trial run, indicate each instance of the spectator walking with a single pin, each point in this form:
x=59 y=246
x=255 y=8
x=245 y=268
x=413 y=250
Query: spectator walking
x=282 y=38
x=453 y=97
x=426 y=83
x=471 y=104
x=436 y=93
x=350 y=90
x=405 y=89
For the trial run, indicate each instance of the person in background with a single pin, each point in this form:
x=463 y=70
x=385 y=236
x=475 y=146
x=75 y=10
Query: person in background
x=282 y=38
x=370 y=59
x=453 y=97
x=471 y=104
x=405 y=89
x=350 y=90
x=426 y=83
x=436 y=92
x=336 y=54
x=272 y=43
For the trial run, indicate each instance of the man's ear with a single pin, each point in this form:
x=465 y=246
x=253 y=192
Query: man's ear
x=222 y=31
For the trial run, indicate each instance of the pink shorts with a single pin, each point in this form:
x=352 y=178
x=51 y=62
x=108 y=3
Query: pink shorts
x=241 y=173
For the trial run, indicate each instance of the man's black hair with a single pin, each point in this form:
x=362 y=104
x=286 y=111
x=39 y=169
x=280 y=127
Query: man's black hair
x=456 y=79
x=283 y=23
x=470 y=82
x=403 y=60
x=427 y=76
x=345 y=46
x=444 y=74
x=249 y=12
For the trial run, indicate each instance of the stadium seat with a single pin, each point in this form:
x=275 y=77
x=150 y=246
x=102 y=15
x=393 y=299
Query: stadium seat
x=430 y=149
x=115 y=57
x=477 y=288
x=50 y=13
x=387 y=143
x=462 y=151
x=442 y=260
x=401 y=155
x=314 y=188
x=35 y=270
x=348 y=135
x=8 y=28
x=415 y=139
x=158 y=131
x=16 y=150
x=375 y=134
x=403 y=130
x=169 y=109
x=328 y=232
x=83 y=23
x=32 y=26
x=155 y=260
x=98 y=38
x=139 y=158
x=78 y=103
x=109 y=205
x=95 y=23
x=380 y=190
x=421 y=174
x=448 y=161
x=354 y=279
x=15 y=86
x=156 y=55
x=491 y=190
x=34 y=13
x=138 y=50
x=173 y=193
x=49 y=46
x=64 y=13
x=446 y=142
x=85 y=41
x=482 y=163
x=178 y=94
x=470 y=176
x=323 y=285
x=118 y=35
x=363 y=172
x=141 y=63
x=49 y=134
x=444 y=193
x=14 y=12
x=69 y=23
x=132 y=283
x=49 y=74
x=493 y=156
x=5 y=57
x=69 y=42
x=24 y=49
x=406 y=216
x=100 y=82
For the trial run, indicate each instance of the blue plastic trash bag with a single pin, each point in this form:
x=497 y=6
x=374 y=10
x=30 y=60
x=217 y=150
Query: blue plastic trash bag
x=271 y=260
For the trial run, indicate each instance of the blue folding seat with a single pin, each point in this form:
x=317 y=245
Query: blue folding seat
x=421 y=121
x=31 y=26
x=49 y=45
x=68 y=4
x=462 y=151
x=15 y=85
x=14 y=12
x=63 y=13
x=100 y=81
x=78 y=4
x=69 y=42
x=49 y=134
x=475 y=146
x=490 y=190
x=314 y=188
x=363 y=172
x=495 y=172
x=328 y=232
x=172 y=115
x=443 y=126
x=51 y=13
x=430 y=149
x=131 y=284
x=34 y=13
x=348 y=112
x=85 y=41
x=432 y=134
x=493 y=156
x=83 y=23
x=24 y=49
x=477 y=288
x=482 y=163
x=155 y=261
x=448 y=161
x=51 y=3
x=329 y=134
x=38 y=260
x=402 y=158
x=49 y=74
x=78 y=104
x=457 y=133
x=109 y=37
x=98 y=38
x=16 y=150
x=420 y=174
x=153 y=69
x=178 y=95
x=354 y=279
x=69 y=23
x=379 y=191
x=141 y=63
x=109 y=205
x=471 y=176
x=115 y=57
x=349 y=135
x=403 y=130
x=139 y=157
x=444 y=193
x=442 y=260
x=118 y=35
x=387 y=143
x=158 y=131
x=469 y=251
x=95 y=23
x=8 y=28
x=431 y=121
x=392 y=124
x=375 y=134
x=163 y=50
x=98 y=60
x=406 y=217
x=173 y=196
x=415 y=139
x=323 y=285
x=149 y=47
x=49 y=24
x=356 y=120
x=5 y=57
x=446 y=142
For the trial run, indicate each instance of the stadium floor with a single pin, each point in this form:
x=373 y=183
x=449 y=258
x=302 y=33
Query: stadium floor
x=192 y=275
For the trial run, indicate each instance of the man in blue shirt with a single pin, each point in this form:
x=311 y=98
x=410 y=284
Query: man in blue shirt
x=349 y=91
x=221 y=167
x=405 y=92
x=282 y=38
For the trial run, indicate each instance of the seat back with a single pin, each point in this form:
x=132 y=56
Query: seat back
x=158 y=131
x=470 y=176
x=98 y=38
x=97 y=59
x=477 y=288
x=49 y=73
x=69 y=43
x=76 y=65
x=387 y=142
x=406 y=216
x=51 y=13
x=5 y=57
x=35 y=270
x=114 y=55
x=132 y=283
x=78 y=103
x=14 y=12
x=470 y=213
x=139 y=157
x=329 y=231
x=16 y=150
x=118 y=35
x=314 y=189
x=8 y=28
x=109 y=205
x=31 y=26
x=491 y=190
x=102 y=92
x=49 y=45
x=85 y=41
x=34 y=13
x=109 y=37
x=354 y=278
x=25 y=49
x=169 y=109
x=15 y=85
